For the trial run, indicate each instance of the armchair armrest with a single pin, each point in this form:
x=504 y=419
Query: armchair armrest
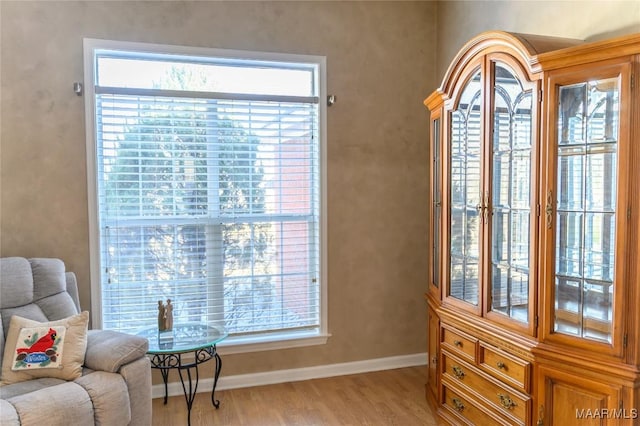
x=109 y=350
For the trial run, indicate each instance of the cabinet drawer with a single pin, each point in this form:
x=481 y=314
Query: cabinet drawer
x=505 y=400
x=465 y=410
x=459 y=343
x=505 y=367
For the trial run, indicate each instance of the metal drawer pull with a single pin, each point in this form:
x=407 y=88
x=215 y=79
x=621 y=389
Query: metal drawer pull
x=501 y=365
x=458 y=343
x=458 y=372
x=506 y=401
x=458 y=405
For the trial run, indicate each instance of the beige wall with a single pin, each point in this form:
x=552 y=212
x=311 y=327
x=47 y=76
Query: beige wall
x=458 y=21
x=380 y=66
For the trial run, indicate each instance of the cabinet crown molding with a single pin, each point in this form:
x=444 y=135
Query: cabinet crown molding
x=524 y=47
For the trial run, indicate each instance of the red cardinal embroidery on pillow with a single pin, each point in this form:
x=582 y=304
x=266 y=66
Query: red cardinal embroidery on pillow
x=43 y=343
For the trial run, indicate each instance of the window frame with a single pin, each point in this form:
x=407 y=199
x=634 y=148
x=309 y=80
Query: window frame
x=233 y=344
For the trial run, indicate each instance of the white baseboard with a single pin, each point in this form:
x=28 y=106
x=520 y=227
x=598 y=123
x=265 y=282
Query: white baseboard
x=294 y=374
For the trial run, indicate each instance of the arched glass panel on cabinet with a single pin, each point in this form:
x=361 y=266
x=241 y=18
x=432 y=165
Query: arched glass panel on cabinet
x=465 y=193
x=511 y=157
x=588 y=121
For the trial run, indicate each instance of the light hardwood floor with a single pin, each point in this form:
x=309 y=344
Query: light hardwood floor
x=392 y=397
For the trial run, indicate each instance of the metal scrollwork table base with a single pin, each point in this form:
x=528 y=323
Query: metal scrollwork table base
x=184 y=348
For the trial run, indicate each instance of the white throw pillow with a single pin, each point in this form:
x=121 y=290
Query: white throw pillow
x=50 y=349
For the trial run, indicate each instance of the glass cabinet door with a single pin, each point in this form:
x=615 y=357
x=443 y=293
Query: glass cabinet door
x=490 y=193
x=436 y=191
x=586 y=187
x=511 y=157
x=465 y=193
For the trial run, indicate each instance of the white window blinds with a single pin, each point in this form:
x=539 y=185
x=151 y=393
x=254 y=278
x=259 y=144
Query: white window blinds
x=210 y=199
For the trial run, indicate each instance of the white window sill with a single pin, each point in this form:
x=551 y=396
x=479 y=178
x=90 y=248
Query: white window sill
x=268 y=342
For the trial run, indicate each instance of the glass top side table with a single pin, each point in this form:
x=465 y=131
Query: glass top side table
x=172 y=350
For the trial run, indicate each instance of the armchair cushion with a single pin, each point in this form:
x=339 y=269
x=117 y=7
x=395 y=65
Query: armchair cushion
x=108 y=350
x=70 y=346
x=67 y=403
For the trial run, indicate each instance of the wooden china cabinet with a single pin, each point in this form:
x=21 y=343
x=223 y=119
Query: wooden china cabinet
x=534 y=291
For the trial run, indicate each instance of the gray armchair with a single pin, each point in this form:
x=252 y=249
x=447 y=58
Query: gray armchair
x=115 y=386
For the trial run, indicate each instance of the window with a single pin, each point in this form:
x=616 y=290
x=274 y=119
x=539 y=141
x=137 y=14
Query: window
x=205 y=170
